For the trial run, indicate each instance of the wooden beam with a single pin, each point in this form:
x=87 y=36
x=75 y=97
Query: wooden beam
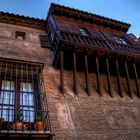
x=108 y=78
x=86 y=74
x=75 y=73
x=136 y=80
x=62 y=70
x=128 y=80
x=118 y=78
x=98 y=76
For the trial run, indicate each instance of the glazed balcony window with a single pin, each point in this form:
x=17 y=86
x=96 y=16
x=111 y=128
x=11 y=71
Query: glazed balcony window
x=120 y=40
x=84 y=31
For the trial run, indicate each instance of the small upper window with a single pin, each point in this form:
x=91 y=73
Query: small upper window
x=120 y=40
x=20 y=35
x=84 y=31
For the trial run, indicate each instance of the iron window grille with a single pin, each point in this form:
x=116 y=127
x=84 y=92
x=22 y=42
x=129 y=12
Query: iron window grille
x=22 y=91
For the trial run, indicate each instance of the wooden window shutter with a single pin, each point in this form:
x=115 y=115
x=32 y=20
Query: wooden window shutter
x=63 y=26
x=94 y=33
x=44 y=41
x=74 y=29
x=108 y=36
x=132 y=39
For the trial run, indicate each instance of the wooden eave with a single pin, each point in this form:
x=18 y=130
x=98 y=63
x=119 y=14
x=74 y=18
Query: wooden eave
x=22 y=20
x=59 y=10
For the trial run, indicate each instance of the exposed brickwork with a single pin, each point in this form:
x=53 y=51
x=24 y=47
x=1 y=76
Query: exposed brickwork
x=91 y=117
x=28 y=49
x=76 y=117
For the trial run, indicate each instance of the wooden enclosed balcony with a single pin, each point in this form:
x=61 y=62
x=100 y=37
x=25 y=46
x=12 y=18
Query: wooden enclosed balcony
x=69 y=41
x=89 y=54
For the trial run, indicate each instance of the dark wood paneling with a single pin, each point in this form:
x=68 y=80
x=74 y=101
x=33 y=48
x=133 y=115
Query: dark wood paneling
x=94 y=33
x=132 y=39
x=136 y=80
x=127 y=79
x=74 y=28
x=44 y=41
x=75 y=73
x=108 y=36
x=98 y=76
x=62 y=71
x=86 y=74
x=118 y=78
x=108 y=78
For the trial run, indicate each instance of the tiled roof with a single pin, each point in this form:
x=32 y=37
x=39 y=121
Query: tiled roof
x=15 y=19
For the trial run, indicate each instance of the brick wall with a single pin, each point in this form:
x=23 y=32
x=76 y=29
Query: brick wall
x=83 y=117
x=76 y=117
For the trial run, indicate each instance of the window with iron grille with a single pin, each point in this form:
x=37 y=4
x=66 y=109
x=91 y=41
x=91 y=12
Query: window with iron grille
x=22 y=90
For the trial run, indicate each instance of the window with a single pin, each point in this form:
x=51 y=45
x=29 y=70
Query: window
x=84 y=31
x=27 y=101
x=7 y=97
x=44 y=41
x=120 y=40
x=9 y=93
x=20 y=35
x=21 y=90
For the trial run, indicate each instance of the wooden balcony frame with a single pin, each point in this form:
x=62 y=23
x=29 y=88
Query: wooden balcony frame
x=68 y=40
x=87 y=45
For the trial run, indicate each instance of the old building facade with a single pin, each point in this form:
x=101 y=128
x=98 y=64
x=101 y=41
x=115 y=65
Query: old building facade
x=73 y=76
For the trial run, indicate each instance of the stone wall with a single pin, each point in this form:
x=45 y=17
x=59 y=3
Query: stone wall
x=76 y=117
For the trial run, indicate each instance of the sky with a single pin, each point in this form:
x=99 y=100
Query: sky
x=122 y=10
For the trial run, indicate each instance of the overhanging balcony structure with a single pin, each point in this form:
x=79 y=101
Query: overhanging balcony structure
x=101 y=45
x=70 y=41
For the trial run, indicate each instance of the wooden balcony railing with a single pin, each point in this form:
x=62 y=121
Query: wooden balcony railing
x=95 y=43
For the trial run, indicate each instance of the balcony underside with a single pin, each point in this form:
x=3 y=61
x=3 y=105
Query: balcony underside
x=91 y=51
x=96 y=56
x=91 y=46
